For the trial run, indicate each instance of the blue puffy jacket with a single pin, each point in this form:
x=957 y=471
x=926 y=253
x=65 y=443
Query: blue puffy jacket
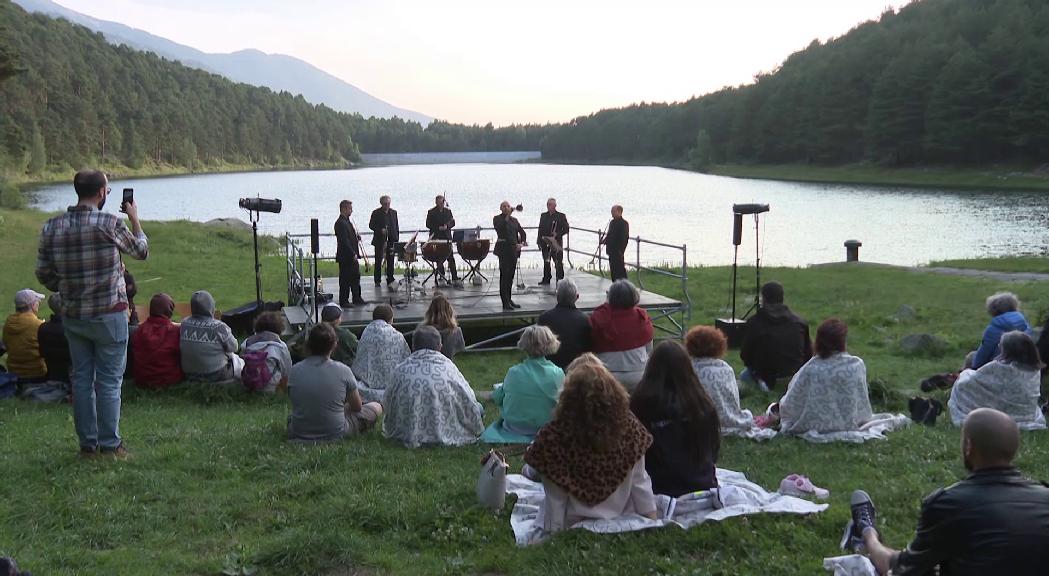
x=992 y=336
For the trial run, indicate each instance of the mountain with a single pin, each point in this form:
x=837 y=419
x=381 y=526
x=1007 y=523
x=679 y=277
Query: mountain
x=275 y=71
x=76 y=100
x=949 y=82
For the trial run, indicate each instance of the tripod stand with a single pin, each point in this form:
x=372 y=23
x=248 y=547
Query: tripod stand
x=733 y=327
x=253 y=215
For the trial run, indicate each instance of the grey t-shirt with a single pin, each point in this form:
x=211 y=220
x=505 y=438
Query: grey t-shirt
x=318 y=387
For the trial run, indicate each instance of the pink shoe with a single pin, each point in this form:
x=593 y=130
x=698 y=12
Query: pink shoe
x=800 y=486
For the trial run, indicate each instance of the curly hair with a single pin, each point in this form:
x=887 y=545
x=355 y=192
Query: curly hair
x=705 y=342
x=593 y=403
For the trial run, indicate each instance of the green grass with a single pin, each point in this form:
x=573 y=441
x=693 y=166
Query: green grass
x=1036 y=264
x=988 y=177
x=213 y=486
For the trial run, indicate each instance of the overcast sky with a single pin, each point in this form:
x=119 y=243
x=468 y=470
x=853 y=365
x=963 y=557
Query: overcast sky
x=505 y=62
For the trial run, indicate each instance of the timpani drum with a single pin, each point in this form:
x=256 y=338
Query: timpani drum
x=437 y=250
x=474 y=249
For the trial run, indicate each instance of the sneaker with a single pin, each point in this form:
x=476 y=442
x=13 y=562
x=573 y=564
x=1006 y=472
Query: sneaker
x=801 y=487
x=118 y=453
x=863 y=517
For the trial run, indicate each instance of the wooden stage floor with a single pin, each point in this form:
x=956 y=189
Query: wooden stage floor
x=474 y=303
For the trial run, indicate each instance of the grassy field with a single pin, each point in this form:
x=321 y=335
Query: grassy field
x=991 y=177
x=214 y=489
x=1037 y=264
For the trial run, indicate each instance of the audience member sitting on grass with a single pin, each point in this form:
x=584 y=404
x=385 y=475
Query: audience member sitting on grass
x=380 y=350
x=570 y=324
x=441 y=315
x=993 y=522
x=429 y=400
x=156 y=346
x=1043 y=345
x=621 y=334
x=266 y=341
x=325 y=404
x=345 y=352
x=1010 y=383
x=591 y=455
x=829 y=393
x=775 y=341
x=707 y=347
x=54 y=348
x=20 y=335
x=675 y=409
x=528 y=395
x=1004 y=308
x=206 y=345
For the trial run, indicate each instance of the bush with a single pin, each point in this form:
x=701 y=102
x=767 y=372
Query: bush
x=11 y=196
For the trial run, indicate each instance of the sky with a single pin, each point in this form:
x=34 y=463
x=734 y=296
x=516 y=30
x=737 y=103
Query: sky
x=508 y=62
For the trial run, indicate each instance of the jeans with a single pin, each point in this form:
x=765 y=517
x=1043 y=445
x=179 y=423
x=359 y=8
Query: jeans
x=98 y=347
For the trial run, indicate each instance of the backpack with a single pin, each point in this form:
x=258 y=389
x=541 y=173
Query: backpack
x=256 y=374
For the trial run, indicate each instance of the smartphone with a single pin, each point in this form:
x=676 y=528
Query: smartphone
x=129 y=198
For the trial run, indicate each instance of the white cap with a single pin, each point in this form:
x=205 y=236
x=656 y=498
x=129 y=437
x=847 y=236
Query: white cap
x=26 y=298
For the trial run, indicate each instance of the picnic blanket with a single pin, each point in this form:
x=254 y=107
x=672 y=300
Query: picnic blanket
x=719 y=381
x=1003 y=386
x=738 y=496
x=873 y=429
x=851 y=565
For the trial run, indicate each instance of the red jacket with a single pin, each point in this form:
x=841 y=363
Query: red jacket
x=618 y=330
x=155 y=346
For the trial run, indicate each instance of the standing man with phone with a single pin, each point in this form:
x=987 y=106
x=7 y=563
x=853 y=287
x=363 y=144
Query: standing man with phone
x=616 y=241
x=79 y=256
x=383 y=224
x=346 y=254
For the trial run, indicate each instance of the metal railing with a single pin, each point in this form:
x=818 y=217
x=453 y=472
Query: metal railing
x=302 y=271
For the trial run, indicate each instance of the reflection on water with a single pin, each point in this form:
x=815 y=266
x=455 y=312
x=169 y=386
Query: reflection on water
x=807 y=223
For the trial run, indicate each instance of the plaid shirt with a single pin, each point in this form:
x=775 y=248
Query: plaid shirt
x=79 y=256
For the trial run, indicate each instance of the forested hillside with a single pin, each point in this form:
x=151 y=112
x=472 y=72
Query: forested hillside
x=72 y=100
x=940 y=82
x=81 y=101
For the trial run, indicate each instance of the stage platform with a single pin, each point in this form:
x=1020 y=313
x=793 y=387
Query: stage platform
x=479 y=306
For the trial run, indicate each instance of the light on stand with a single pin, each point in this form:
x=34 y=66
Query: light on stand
x=733 y=327
x=255 y=206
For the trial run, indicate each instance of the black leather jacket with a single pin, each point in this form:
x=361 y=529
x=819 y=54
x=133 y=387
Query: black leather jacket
x=993 y=522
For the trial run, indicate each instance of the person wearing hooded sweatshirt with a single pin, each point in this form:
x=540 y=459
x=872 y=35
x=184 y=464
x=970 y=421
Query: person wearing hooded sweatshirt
x=1004 y=308
x=208 y=349
x=156 y=346
x=20 y=335
x=268 y=327
x=776 y=341
x=621 y=334
x=54 y=349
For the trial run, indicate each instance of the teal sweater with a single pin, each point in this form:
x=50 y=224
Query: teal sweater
x=529 y=393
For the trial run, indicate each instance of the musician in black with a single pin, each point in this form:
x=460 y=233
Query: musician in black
x=511 y=237
x=439 y=221
x=616 y=240
x=383 y=224
x=553 y=226
x=347 y=254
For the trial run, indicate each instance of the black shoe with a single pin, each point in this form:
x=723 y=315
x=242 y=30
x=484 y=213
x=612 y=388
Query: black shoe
x=515 y=304
x=345 y=305
x=508 y=308
x=863 y=517
x=925 y=410
x=544 y=282
x=360 y=302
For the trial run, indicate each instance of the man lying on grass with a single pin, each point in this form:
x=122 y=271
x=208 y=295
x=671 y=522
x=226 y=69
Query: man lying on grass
x=994 y=521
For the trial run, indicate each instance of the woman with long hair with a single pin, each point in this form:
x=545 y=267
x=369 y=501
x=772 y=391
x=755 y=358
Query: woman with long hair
x=591 y=455
x=674 y=407
x=441 y=315
x=829 y=393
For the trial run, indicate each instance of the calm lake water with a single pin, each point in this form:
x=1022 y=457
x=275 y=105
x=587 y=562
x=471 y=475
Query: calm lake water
x=807 y=223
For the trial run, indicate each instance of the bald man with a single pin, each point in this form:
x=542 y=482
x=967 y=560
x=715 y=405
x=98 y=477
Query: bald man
x=993 y=522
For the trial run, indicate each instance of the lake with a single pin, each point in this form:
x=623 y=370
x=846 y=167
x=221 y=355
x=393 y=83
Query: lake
x=807 y=223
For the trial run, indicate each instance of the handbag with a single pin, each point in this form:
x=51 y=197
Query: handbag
x=491 y=481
